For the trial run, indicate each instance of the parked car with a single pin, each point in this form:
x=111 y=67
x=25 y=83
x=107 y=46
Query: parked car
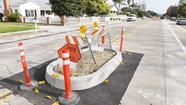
x=181 y=21
x=162 y=17
x=173 y=18
x=144 y=17
x=132 y=17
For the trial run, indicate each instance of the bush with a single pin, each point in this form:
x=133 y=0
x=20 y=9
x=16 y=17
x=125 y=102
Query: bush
x=1 y=16
x=14 y=17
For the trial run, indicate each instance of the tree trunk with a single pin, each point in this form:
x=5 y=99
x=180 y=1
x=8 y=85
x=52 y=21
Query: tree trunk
x=62 y=20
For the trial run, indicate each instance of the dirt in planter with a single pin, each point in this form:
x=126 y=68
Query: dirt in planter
x=86 y=64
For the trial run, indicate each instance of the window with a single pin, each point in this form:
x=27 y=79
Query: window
x=48 y=12
x=30 y=13
x=42 y=13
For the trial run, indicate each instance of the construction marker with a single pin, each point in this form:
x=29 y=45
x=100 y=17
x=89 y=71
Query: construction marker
x=24 y=64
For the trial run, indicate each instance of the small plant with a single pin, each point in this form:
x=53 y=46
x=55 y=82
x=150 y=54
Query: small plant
x=14 y=17
x=1 y=16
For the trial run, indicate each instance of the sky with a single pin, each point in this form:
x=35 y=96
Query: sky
x=159 y=6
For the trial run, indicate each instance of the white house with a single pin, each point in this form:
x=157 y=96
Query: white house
x=28 y=8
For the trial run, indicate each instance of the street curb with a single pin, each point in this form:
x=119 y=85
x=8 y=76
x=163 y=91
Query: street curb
x=22 y=32
x=4 y=93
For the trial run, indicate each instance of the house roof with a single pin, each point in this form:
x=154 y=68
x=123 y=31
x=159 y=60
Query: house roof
x=44 y=4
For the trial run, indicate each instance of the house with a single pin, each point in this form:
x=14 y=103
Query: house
x=41 y=10
x=29 y=9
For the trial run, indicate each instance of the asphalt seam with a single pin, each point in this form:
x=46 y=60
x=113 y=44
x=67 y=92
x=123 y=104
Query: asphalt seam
x=165 y=74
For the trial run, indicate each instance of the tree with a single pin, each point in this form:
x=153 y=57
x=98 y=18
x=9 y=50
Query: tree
x=182 y=10
x=125 y=10
x=182 y=2
x=118 y=2
x=66 y=7
x=172 y=11
x=152 y=13
x=95 y=7
x=128 y=2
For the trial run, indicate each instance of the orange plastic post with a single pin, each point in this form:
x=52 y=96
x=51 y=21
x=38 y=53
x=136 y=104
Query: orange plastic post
x=66 y=69
x=103 y=39
x=122 y=40
x=24 y=64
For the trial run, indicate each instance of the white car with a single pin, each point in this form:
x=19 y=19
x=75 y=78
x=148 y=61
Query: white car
x=181 y=21
x=131 y=18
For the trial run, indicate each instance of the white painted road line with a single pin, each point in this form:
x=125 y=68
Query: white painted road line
x=177 y=39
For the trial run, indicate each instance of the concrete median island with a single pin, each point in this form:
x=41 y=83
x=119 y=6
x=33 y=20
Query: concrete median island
x=92 y=75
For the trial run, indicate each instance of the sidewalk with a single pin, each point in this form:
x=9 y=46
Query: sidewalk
x=44 y=32
x=8 y=98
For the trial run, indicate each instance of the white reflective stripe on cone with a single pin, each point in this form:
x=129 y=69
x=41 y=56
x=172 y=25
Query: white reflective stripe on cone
x=66 y=62
x=65 y=55
x=22 y=53
x=20 y=47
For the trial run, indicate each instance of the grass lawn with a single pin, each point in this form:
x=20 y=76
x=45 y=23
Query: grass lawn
x=12 y=27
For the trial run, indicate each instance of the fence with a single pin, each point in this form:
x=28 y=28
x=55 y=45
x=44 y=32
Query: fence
x=74 y=20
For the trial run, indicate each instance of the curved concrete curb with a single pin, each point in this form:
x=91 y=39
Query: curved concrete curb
x=87 y=81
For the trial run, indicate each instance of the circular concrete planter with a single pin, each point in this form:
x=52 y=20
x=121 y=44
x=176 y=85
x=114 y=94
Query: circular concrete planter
x=87 y=81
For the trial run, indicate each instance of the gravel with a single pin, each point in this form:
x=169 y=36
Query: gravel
x=86 y=64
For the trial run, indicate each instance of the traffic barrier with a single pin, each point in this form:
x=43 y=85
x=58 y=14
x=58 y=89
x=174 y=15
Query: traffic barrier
x=103 y=40
x=103 y=35
x=69 y=98
x=122 y=40
x=24 y=64
x=66 y=69
x=29 y=85
x=74 y=40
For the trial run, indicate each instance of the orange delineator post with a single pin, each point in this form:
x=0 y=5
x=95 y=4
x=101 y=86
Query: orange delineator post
x=103 y=39
x=66 y=70
x=24 y=64
x=122 y=40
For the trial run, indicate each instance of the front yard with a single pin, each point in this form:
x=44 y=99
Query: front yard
x=12 y=27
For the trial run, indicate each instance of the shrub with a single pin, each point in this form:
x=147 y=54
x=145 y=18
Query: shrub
x=14 y=17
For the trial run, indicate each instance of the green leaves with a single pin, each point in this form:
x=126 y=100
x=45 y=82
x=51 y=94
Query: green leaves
x=95 y=7
x=182 y=10
x=118 y=1
x=79 y=7
x=66 y=7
